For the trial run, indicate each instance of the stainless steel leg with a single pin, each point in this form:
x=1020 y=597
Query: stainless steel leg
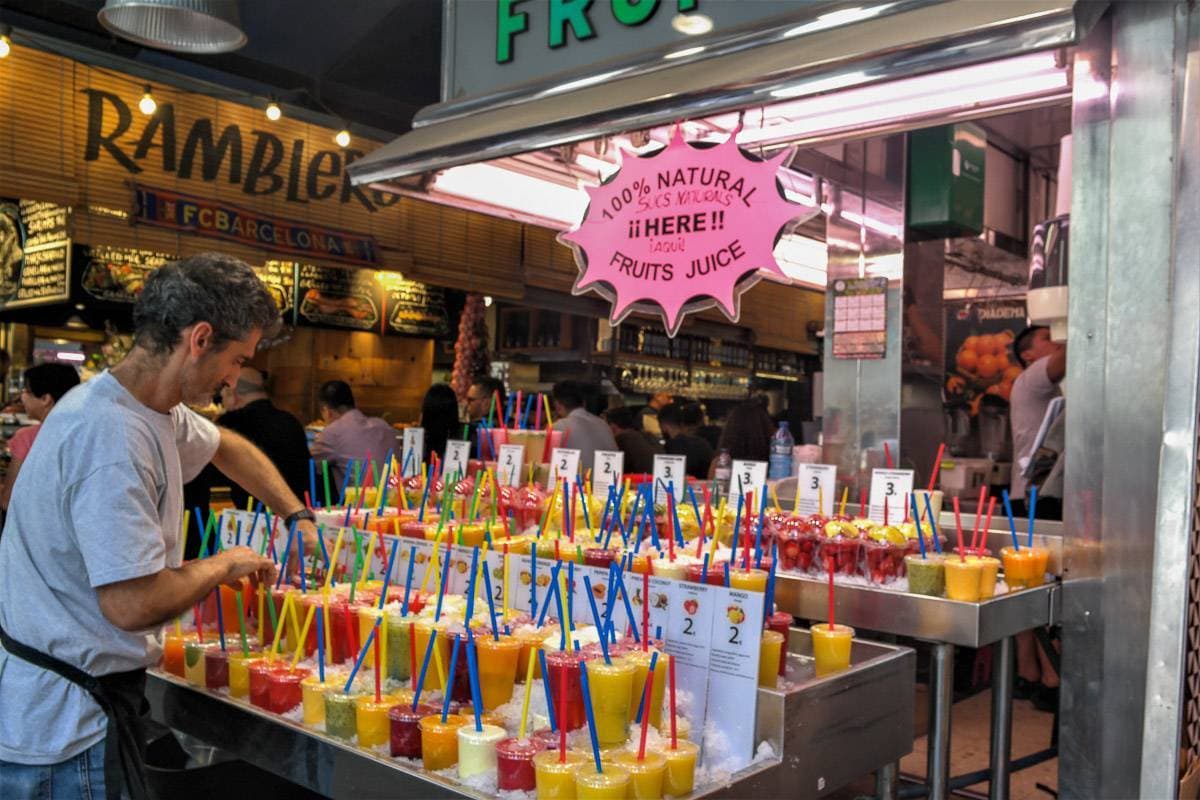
x=885 y=781
x=941 y=697
x=1002 y=688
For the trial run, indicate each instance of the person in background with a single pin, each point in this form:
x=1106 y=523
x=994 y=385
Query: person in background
x=44 y=386
x=708 y=431
x=638 y=447
x=679 y=422
x=479 y=402
x=349 y=433
x=648 y=416
x=250 y=412
x=439 y=418
x=747 y=432
x=584 y=431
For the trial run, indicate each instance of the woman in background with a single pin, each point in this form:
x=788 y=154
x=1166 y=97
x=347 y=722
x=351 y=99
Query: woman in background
x=44 y=386
x=439 y=418
x=747 y=433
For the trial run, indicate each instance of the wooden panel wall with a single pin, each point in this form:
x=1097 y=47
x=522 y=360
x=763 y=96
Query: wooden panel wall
x=389 y=374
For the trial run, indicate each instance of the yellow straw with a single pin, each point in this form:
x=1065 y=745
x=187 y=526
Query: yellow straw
x=182 y=550
x=293 y=619
x=504 y=592
x=562 y=603
x=261 y=596
x=325 y=614
x=549 y=419
x=396 y=526
x=528 y=691
x=249 y=504
x=845 y=496
x=820 y=499
x=531 y=475
x=287 y=604
x=437 y=663
x=796 y=499
x=337 y=549
x=712 y=547
x=432 y=564
x=775 y=500
x=308 y=618
x=362 y=579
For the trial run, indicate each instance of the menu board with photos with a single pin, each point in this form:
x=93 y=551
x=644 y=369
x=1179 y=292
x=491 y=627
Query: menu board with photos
x=117 y=274
x=338 y=297
x=35 y=253
x=412 y=308
x=280 y=278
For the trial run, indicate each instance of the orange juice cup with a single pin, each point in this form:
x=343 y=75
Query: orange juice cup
x=239 y=673
x=831 y=647
x=680 y=777
x=611 y=784
x=477 y=749
x=611 y=689
x=531 y=639
x=1024 y=568
x=962 y=579
x=371 y=719
x=641 y=662
x=173 y=644
x=987 y=576
x=646 y=776
x=769 y=649
x=556 y=779
x=749 y=580
x=497 y=659
x=439 y=741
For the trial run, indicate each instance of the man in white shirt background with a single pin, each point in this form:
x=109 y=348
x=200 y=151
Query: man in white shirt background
x=1045 y=365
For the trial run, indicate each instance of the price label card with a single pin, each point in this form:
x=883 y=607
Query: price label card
x=733 y=669
x=607 y=471
x=817 y=484
x=651 y=601
x=520 y=580
x=894 y=485
x=458 y=452
x=751 y=476
x=564 y=464
x=597 y=579
x=508 y=467
x=231 y=529
x=669 y=471
x=412 y=450
x=689 y=642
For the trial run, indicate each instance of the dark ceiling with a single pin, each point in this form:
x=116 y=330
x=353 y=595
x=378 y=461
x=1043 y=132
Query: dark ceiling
x=374 y=62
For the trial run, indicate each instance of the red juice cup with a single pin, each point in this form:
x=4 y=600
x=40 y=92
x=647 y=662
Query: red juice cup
x=283 y=689
x=564 y=666
x=514 y=764
x=405 y=723
x=545 y=739
x=260 y=672
x=780 y=622
x=216 y=668
x=596 y=557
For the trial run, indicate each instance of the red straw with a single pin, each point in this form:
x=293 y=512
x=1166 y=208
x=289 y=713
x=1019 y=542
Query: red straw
x=987 y=524
x=199 y=629
x=887 y=455
x=645 y=715
x=646 y=711
x=906 y=504
x=561 y=716
x=412 y=653
x=885 y=511
x=937 y=463
x=645 y=609
x=832 y=626
x=978 y=514
x=958 y=524
x=704 y=522
x=862 y=503
x=671 y=525
x=745 y=532
x=378 y=670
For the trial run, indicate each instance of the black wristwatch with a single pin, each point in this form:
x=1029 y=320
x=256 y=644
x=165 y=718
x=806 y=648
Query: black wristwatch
x=303 y=513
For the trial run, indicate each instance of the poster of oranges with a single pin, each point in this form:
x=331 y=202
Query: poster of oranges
x=979 y=357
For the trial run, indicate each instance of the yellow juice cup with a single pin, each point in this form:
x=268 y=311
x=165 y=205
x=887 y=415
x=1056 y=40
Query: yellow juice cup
x=366 y=619
x=641 y=662
x=239 y=672
x=769 y=649
x=963 y=579
x=611 y=689
x=472 y=534
x=1024 y=568
x=477 y=749
x=193 y=661
x=831 y=648
x=421 y=633
x=987 y=576
x=312 y=695
x=680 y=777
x=683 y=728
x=497 y=659
x=439 y=741
x=750 y=580
x=611 y=784
x=371 y=719
x=646 y=776
x=675 y=570
x=555 y=779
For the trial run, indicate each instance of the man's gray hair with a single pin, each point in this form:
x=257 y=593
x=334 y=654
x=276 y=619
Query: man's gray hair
x=210 y=287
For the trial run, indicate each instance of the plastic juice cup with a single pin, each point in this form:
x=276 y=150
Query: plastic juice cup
x=193 y=661
x=987 y=576
x=497 y=659
x=781 y=622
x=555 y=780
x=935 y=503
x=471 y=533
x=646 y=776
x=398 y=652
x=750 y=580
x=770 y=646
x=531 y=642
x=283 y=689
x=962 y=579
x=641 y=662
x=831 y=648
x=641 y=564
x=371 y=719
x=239 y=672
x=683 y=729
x=680 y=777
x=926 y=575
x=611 y=784
x=312 y=696
x=477 y=749
x=599 y=557
x=611 y=687
x=1024 y=568
x=259 y=690
x=421 y=633
x=439 y=740
x=514 y=764
x=216 y=668
x=564 y=666
x=341 y=714
x=173 y=644
x=675 y=570
x=405 y=728
x=366 y=616
x=715 y=576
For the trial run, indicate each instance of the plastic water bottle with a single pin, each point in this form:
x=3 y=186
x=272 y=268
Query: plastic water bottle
x=723 y=472
x=780 y=465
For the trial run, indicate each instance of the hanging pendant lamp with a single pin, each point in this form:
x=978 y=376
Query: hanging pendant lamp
x=182 y=26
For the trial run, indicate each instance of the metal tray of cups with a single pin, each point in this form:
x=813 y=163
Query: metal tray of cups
x=932 y=619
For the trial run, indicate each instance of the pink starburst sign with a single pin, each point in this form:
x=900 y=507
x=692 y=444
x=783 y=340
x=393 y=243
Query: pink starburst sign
x=681 y=230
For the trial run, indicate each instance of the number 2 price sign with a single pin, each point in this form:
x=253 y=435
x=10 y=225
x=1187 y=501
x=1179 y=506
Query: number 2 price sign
x=512 y=456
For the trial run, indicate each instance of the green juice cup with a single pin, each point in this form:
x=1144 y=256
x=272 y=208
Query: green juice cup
x=399 y=647
x=926 y=575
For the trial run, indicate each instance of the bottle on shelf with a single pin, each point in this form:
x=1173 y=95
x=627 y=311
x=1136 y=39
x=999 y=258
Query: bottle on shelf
x=780 y=464
x=723 y=472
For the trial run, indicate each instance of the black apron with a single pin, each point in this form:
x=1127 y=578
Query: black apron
x=122 y=697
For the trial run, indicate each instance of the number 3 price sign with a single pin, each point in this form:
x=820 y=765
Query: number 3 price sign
x=893 y=484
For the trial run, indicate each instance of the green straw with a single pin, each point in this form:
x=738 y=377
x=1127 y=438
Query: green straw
x=242 y=625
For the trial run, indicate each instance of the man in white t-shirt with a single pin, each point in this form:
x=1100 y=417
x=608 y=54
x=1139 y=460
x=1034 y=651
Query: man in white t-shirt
x=1045 y=365
x=90 y=560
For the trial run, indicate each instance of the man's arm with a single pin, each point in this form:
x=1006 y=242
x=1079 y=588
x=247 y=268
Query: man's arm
x=1056 y=368
x=150 y=600
x=250 y=468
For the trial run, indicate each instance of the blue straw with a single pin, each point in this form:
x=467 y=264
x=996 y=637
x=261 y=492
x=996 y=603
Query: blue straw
x=726 y=574
x=254 y=522
x=1012 y=526
x=648 y=517
x=587 y=517
x=769 y=599
x=571 y=590
x=591 y=715
x=762 y=513
x=508 y=401
x=633 y=626
x=695 y=505
x=321 y=543
x=473 y=679
x=610 y=599
x=587 y=585
x=442 y=590
x=220 y=620
x=387 y=576
x=1032 y=511
x=312 y=483
x=237 y=532
x=321 y=644
x=675 y=527
x=737 y=528
x=471 y=585
x=412 y=558
x=300 y=562
x=425 y=493
x=704 y=569
x=933 y=528
x=346 y=521
x=383 y=487
x=606 y=517
x=533 y=604
x=487 y=588
x=286 y=552
x=424 y=668
x=550 y=593
x=345 y=482
x=649 y=679
x=917 y=521
x=361 y=655
x=549 y=691
x=525 y=412
x=450 y=677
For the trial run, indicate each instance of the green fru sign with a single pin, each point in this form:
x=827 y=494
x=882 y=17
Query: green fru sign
x=572 y=15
